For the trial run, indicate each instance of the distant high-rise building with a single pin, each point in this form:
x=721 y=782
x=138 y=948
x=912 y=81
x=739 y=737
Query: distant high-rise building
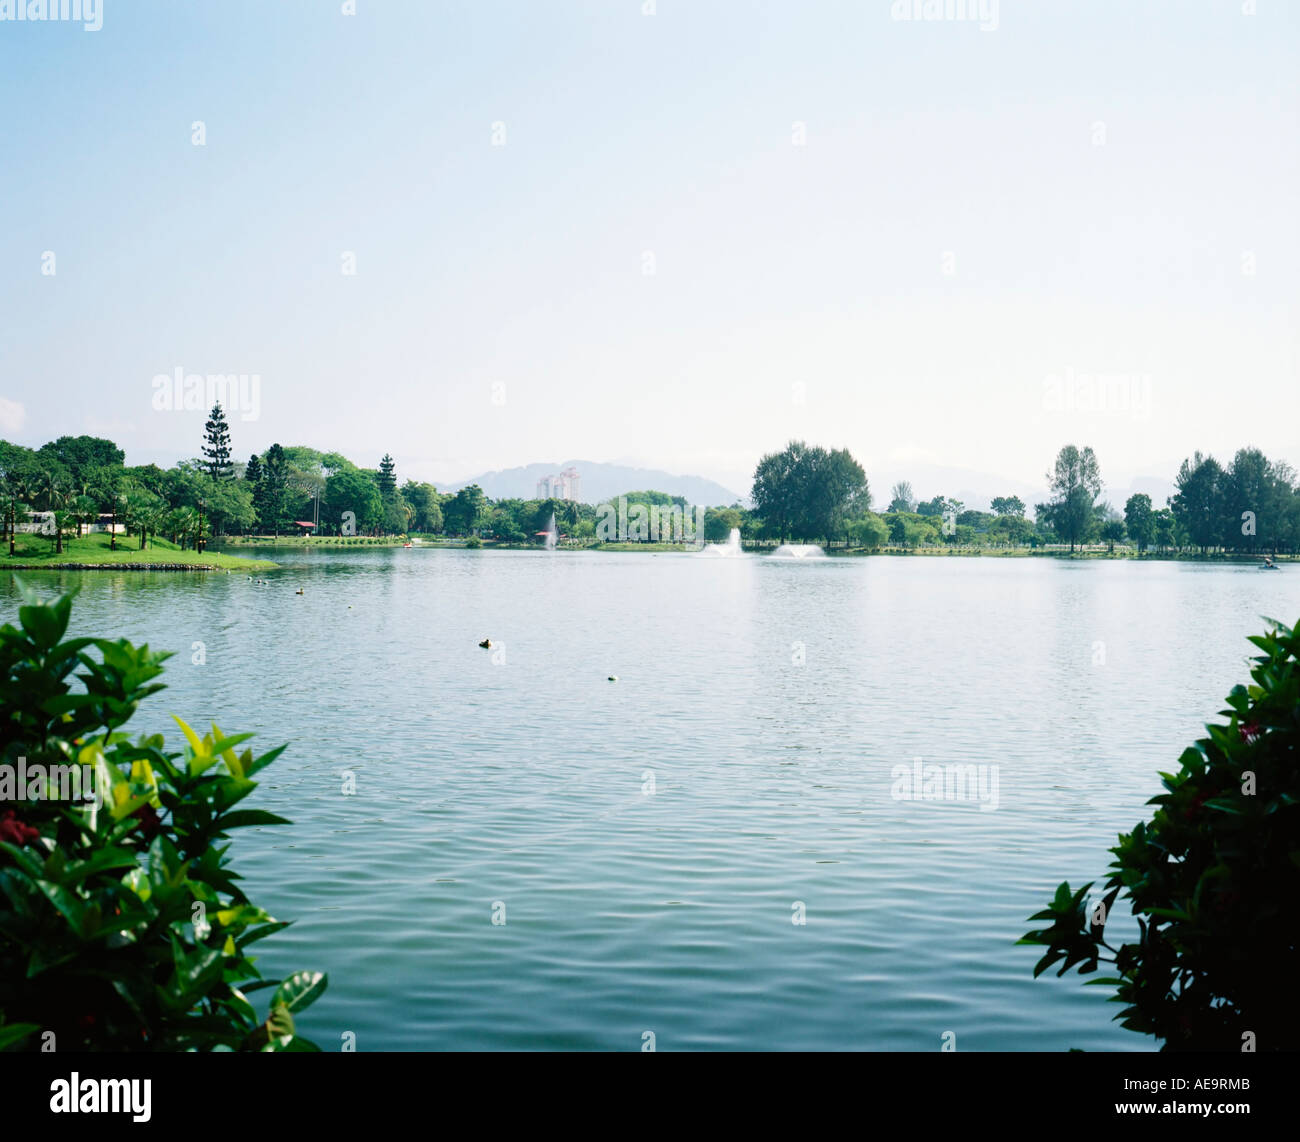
x=566 y=485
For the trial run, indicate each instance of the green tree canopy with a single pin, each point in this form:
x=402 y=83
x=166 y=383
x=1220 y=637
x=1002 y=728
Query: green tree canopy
x=80 y=455
x=351 y=490
x=1198 y=505
x=1008 y=505
x=809 y=493
x=1075 y=485
x=273 y=508
x=902 y=498
x=718 y=523
x=467 y=511
x=1140 y=520
x=425 y=506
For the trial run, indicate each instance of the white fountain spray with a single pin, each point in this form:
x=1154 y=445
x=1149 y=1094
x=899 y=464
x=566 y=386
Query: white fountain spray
x=798 y=551
x=552 y=535
x=729 y=550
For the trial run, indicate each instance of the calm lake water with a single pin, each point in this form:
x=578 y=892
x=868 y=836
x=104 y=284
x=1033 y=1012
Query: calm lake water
x=651 y=839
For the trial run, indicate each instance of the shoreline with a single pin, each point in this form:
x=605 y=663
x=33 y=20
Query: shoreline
x=160 y=566
x=227 y=561
x=650 y=548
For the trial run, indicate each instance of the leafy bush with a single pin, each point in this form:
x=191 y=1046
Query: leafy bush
x=1214 y=879
x=473 y=542
x=122 y=926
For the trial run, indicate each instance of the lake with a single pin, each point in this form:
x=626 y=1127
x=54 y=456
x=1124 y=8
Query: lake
x=650 y=843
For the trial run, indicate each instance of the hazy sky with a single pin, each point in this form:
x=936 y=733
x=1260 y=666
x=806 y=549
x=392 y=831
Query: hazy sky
x=914 y=238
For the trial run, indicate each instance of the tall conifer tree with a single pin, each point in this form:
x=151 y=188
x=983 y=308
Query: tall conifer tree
x=216 y=444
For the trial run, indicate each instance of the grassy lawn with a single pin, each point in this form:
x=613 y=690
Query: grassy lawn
x=93 y=550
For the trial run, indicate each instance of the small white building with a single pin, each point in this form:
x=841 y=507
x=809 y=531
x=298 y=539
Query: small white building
x=42 y=523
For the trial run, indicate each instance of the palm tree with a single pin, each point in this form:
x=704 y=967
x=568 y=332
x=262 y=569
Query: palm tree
x=175 y=526
x=182 y=525
x=55 y=495
x=62 y=521
x=157 y=517
x=86 y=511
x=10 y=495
x=105 y=489
x=22 y=492
x=52 y=489
x=140 y=506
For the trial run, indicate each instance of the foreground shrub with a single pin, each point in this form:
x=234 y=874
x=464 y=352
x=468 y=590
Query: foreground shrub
x=122 y=926
x=1214 y=879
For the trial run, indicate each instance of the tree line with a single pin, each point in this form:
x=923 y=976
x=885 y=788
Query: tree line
x=79 y=481
x=1251 y=504
x=76 y=481
x=802 y=493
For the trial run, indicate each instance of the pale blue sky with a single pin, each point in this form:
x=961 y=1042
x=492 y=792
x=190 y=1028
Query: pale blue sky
x=775 y=264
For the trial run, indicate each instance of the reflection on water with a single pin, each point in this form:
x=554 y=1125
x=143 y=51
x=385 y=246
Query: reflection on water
x=653 y=845
x=798 y=551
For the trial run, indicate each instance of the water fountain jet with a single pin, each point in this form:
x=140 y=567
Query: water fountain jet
x=729 y=550
x=798 y=551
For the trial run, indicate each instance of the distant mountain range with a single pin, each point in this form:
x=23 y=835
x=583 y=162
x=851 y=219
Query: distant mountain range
x=600 y=483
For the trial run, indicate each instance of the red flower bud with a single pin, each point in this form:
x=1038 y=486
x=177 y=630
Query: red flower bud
x=150 y=822
x=14 y=831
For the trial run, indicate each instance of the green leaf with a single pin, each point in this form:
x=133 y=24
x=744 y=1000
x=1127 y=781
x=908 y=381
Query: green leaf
x=27 y=861
x=197 y=968
x=262 y=933
x=11 y=1033
x=244 y=817
x=46 y=622
x=104 y=859
x=239 y=1002
x=252 y=766
x=298 y=1043
x=223 y=744
x=137 y=880
x=275 y=1033
x=66 y=703
x=1169 y=913
x=301 y=990
x=68 y=904
x=258 y=985
x=1046 y=962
